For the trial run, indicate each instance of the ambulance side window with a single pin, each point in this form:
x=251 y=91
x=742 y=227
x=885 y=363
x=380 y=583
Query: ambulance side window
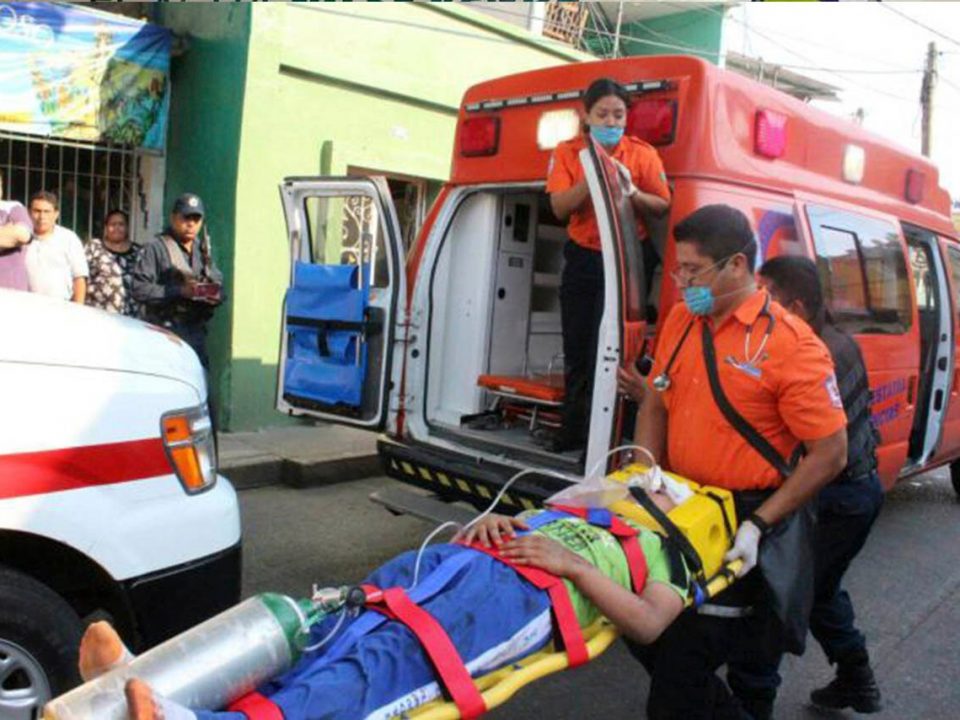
x=863 y=270
x=953 y=253
x=347 y=230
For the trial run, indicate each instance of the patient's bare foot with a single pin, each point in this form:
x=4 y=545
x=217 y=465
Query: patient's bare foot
x=140 y=702
x=101 y=649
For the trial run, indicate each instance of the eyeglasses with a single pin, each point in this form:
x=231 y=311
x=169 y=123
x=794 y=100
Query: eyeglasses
x=684 y=275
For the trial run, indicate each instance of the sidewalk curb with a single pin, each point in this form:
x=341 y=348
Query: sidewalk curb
x=269 y=470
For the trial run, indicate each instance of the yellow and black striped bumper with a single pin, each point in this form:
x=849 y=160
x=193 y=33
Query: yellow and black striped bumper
x=456 y=476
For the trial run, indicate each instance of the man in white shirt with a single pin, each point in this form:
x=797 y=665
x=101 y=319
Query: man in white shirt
x=56 y=264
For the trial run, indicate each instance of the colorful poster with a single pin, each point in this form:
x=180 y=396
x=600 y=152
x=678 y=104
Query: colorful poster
x=70 y=72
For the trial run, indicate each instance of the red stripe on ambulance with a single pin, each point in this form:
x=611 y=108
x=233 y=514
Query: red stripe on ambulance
x=36 y=473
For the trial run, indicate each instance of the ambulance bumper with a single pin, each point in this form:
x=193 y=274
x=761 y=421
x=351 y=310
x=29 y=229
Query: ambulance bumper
x=170 y=601
x=458 y=476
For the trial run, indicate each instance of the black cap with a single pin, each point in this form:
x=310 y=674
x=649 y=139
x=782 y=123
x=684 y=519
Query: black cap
x=188 y=204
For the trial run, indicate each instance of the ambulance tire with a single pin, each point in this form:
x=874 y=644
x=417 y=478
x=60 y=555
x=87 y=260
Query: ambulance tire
x=955 y=476
x=44 y=632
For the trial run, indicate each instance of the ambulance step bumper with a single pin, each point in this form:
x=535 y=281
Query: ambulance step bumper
x=456 y=476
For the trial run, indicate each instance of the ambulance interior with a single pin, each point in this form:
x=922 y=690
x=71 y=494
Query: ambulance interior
x=495 y=350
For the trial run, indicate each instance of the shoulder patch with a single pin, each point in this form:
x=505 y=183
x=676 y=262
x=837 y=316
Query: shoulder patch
x=833 y=391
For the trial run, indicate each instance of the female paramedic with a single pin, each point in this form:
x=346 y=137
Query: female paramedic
x=581 y=287
x=492 y=616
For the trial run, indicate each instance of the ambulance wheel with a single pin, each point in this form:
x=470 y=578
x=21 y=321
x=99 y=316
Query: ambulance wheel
x=955 y=476
x=39 y=639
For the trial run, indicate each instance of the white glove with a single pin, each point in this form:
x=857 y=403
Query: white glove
x=650 y=480
x=745 y=547
x=626 y=180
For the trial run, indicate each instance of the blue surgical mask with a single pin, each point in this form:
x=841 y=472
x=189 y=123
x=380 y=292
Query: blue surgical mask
x=699 y=299
x=606 y=135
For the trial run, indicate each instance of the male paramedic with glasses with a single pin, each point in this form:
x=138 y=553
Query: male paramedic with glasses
x=779 y=377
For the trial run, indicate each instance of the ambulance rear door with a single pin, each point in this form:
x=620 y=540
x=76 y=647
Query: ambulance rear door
x=345 y=305
x=623 y=324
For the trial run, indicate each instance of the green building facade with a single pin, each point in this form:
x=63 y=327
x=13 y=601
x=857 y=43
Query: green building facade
x=268 y=90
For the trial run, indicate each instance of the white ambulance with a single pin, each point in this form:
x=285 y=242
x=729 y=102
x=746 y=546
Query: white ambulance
x=110 y=502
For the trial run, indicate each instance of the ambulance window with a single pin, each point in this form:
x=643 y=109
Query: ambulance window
x=863 y=271
x=346 y=230
x=954 y=254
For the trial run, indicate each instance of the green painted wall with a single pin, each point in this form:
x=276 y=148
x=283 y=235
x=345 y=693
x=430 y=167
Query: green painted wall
x=208 y=81
x=378 y=85
x=700 y=30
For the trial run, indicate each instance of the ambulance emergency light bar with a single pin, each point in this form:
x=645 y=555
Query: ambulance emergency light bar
x=480 y=136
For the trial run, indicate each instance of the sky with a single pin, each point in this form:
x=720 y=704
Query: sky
x=877 y=57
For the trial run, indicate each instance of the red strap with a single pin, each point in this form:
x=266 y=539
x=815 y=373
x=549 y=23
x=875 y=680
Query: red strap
x=627 y=535
x=256 y=707
x=397 y=605
x=567 y=623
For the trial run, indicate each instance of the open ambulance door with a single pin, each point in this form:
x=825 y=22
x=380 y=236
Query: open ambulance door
x=345 y=303
x=623 y=324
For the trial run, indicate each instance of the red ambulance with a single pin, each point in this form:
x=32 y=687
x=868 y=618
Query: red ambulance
x=454 y=350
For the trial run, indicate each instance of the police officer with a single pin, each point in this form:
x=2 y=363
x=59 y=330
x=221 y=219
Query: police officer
x=176 y=278
x=847 y=509
x=778 y=376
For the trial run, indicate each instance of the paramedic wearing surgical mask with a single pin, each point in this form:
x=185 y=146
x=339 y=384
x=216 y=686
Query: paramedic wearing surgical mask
x=776 y=373
x=581 y=286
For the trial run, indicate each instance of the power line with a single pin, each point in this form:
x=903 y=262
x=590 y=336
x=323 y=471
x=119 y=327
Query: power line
x=916 y=22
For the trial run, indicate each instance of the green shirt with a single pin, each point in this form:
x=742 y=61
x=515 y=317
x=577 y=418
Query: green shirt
x=602 y=550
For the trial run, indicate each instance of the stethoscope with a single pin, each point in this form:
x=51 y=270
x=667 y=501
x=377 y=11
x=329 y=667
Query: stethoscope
x=661 y=383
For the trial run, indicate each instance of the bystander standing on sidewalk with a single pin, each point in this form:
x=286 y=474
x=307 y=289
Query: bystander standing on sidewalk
x=112 y=260
x=176 y=278
x=56 y=265
x=15 y=231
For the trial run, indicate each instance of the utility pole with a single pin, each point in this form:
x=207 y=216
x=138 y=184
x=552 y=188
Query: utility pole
x=926 y=98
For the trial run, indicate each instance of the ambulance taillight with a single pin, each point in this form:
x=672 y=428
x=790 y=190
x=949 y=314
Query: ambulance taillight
x=480 y=136
x=770 y=134
x=653 y=121
x=189 y=443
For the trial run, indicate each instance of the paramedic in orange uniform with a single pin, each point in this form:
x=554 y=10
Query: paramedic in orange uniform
x=779 y=376
x=581 y=287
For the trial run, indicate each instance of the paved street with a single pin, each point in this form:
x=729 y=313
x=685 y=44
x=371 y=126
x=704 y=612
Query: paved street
x=905 y=585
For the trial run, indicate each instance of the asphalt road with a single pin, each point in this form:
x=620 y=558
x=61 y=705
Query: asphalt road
x=904 y=584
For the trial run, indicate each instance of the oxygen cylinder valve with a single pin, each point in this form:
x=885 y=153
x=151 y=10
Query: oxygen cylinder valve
x=331 y=599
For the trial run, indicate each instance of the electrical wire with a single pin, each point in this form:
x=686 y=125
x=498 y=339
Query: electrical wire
x=891 y=8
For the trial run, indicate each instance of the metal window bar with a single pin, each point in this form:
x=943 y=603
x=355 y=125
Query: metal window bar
x=89 y=179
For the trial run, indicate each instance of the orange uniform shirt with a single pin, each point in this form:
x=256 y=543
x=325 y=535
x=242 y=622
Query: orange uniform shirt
x=565 y=171
x=789 y=395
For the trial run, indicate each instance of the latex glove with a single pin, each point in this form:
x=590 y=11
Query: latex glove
x=626 y=179
x=746 y=545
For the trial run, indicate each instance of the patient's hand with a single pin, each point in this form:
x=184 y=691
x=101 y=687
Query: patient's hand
x=544 y=553
x=493 y=528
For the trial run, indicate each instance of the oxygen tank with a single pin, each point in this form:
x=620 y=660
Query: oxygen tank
x=206 y=667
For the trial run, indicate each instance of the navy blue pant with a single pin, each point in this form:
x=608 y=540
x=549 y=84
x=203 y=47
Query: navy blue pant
x=581 y=309
x=846 y=512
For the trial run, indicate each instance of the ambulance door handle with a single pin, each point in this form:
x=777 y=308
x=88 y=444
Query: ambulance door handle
x=911 y=388
x=501 y=293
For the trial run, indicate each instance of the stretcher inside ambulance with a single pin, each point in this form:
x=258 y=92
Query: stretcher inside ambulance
x=457 y=355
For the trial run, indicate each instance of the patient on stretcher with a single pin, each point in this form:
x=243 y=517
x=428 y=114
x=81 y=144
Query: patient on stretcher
x=492 y=615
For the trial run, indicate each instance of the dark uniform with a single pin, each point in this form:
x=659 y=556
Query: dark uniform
x=847 y=509
x=158 y=282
